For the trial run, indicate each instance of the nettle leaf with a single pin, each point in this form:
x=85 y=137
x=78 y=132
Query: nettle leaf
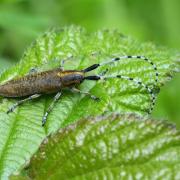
x=21 y=132
x=112 y=147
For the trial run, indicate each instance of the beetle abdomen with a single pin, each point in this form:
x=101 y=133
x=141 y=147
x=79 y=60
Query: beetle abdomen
x=40 y=83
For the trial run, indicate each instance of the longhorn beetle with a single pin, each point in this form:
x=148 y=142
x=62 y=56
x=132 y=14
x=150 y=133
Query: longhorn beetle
x=35 y=84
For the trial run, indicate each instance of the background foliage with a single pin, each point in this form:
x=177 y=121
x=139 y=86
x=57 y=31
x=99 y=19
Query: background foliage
x=21 y=21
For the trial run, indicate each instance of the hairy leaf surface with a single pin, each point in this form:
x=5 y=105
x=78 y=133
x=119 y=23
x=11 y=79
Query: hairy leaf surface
x=21 y=132
x=113 y=147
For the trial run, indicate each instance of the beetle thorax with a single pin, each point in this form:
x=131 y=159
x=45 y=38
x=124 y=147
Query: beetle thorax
x=70 y=78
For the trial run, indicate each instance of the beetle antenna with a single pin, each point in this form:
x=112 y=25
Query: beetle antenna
x=90 y=68
x=95 y=66
x=140 y=83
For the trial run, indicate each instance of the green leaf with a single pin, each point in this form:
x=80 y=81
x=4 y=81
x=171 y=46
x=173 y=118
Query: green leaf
x=21 y=132
x=114 y=147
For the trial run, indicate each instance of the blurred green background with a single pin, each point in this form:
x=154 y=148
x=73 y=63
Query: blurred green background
x=21 y=21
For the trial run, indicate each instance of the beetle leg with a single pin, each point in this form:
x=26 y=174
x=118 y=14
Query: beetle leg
x=12 y=108
x=56 y=98
x=33 y=70
x=95 y=53
x=103 y=72
x=64 y=60
x=86 y=93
